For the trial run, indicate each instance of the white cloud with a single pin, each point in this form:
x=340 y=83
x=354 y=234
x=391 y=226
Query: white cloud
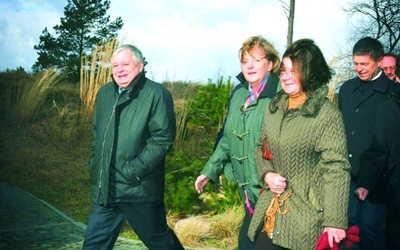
x=21 y=24
x=181 y=39
x=197 y=40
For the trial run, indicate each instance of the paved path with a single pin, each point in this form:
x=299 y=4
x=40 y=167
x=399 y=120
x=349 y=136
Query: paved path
x=27 y=222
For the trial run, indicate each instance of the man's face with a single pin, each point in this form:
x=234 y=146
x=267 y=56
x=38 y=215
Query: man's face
x=125 y=68
x=388 y=65
x=365 y=67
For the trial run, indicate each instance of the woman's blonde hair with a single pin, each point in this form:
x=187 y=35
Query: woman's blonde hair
x=269 y=50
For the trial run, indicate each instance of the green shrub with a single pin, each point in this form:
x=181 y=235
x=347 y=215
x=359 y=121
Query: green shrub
x=209 y=107
x=180 y=194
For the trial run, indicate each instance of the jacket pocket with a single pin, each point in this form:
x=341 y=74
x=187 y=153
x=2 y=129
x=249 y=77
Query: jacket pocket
x=130 y=175
x=313 y=198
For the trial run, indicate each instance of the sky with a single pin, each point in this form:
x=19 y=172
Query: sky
x=182 y=40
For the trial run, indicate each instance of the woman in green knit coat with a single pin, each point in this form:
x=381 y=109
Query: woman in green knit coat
x=308 y=172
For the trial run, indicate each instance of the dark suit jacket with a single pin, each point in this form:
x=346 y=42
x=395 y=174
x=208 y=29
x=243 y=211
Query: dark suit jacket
x=359 y=103
x=380 y=163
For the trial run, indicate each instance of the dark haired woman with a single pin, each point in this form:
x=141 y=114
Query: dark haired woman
x=307 y=180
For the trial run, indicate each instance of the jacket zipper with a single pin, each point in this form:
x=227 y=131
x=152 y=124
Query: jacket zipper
x=104 y=142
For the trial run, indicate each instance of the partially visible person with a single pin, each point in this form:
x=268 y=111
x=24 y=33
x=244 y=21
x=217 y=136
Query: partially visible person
x=134 y=129
x=359 y=99
x=234 y=153
x=398 y=68
x=389 y=66
x=382 y=158
x=306 y=178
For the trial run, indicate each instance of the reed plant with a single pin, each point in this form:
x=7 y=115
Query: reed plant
x=343 y=71
x=33 y=94
x=181 y=124
x=182 y=94
x=95 y=72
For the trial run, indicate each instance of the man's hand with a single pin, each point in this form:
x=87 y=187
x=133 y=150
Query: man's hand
x=361 y=193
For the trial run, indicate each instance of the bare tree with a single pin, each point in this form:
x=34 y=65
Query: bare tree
x=289 y=11
x=379 y=19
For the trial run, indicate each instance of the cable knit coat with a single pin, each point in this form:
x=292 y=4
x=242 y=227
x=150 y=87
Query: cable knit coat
x=308 y=146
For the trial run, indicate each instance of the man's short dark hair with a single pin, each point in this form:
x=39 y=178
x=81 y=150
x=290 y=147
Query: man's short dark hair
x=368 y=46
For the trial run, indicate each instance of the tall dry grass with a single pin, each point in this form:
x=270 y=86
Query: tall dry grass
x=34 y=94
x=219 y=231
x=181 y=122
x=343 y=71
x=95 y=72
x=182 y=93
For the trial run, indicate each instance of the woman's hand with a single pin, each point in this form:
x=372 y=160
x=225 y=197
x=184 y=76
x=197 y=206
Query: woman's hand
x=276 y=182
x=201 y=181
x=335 y=234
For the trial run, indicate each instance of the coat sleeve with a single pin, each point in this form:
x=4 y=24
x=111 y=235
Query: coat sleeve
x=334 y=169
x=372 y=165
x=161 y=130
x=373 y=161
x=215 y=165
x=263 y=165
x=94 y=134
x=221 y=155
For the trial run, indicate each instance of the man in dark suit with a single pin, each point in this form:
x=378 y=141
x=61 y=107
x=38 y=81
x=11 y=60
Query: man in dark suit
x=383 y=158
x=359 y=99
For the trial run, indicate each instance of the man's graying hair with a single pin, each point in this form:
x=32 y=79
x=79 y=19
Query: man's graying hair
x=136 y=53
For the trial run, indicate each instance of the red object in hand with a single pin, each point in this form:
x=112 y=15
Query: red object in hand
x=266 y=152
x=351 y=238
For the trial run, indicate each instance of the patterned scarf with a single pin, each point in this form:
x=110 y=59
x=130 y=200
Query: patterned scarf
x=255 y=93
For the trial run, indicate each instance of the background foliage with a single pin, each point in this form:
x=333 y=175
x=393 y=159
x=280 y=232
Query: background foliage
x=45 y=147
x=379 y=19
x=46 y=118
x=84 y=26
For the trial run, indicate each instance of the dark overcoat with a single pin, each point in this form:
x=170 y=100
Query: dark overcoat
x=382 y=158
x=359 y=103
